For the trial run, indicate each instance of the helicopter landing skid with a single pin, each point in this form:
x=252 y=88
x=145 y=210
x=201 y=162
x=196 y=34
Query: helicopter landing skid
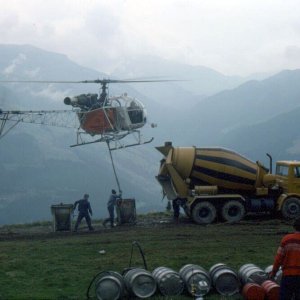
x=113 y=138
x=132 y=145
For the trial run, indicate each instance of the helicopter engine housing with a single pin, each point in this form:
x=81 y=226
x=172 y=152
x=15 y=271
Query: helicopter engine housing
x=83 y=100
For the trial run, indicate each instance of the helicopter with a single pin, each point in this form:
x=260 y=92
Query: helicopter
x=97 y=118
x=102 y=118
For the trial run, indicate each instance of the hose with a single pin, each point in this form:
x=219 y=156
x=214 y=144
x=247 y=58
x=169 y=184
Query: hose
x=113 y=165
x=94 y=278
x=135 y=243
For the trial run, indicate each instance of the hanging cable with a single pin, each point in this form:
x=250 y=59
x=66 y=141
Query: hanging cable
x=113 y=165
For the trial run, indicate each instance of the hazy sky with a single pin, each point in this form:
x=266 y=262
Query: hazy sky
x=235 y=37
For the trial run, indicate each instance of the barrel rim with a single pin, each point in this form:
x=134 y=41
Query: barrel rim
x=114 y=277
x=131 y=276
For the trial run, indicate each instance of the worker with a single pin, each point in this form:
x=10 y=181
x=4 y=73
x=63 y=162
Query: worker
x=176 y=209
x=84 y=209
x=112 y=202
x=288 y=258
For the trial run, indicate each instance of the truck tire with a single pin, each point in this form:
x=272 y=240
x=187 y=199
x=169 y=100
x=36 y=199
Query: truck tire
x=291 y=208
x=233 y=211
x=204 y=212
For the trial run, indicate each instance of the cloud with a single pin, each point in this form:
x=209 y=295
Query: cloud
x=295 y=149
x=292 y=53
x=33 y=73
x=232 y=36
x=51 y=93
x=10 y=69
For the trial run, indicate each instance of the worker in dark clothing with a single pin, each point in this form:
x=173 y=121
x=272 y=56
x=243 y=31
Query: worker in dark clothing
x=84 y=209
x=176 y=209
x=112 y=202
x=288 y=258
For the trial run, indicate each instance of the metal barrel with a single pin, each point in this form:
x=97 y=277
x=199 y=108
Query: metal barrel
x=271 y=289
x=269 y=269
x=278 y=275
x=168 y=281
x=196 y=279
x=224 y=279
x=251 y=273
x=242 y=268
x=109 y=286
x=140 y=283
x=253 y=291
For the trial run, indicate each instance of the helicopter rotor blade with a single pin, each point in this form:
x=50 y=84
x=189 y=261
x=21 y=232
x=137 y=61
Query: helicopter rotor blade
x=100 y=81
x=38 y=81
x=142 y=80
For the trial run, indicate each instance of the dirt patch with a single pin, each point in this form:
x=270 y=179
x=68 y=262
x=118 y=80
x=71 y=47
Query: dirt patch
x=31 y=231
x=45 y=231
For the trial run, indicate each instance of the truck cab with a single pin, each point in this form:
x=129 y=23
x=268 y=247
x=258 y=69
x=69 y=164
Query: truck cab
x=288 y=180
x=288 y=176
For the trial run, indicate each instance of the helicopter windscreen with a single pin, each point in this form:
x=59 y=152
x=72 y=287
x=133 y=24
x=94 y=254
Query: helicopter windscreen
x=130 y=112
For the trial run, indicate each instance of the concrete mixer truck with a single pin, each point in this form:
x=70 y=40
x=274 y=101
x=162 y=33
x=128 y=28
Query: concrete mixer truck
x=211 y=183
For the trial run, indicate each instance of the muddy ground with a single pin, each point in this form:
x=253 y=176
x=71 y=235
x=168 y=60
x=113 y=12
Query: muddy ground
x=46 y=229
x=40 y=230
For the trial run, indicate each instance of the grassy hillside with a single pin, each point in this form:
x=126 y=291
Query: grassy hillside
x=278 y=136
x=246 y=105
x=38 y=264
x=39 y=168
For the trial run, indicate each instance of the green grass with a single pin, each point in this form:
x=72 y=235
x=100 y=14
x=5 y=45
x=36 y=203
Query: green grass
x=61 y=266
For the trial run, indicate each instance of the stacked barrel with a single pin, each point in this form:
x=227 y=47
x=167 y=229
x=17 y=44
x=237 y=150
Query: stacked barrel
x=192 y=279
x=256 y=285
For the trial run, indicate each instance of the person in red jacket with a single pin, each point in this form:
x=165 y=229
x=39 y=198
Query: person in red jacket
x=288 y=258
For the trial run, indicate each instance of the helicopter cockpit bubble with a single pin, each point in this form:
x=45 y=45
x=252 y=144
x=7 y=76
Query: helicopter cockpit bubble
x=136 y=111
x=130 y=112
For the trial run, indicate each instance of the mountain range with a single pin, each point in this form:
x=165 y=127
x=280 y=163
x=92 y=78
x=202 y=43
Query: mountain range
x=200 y=107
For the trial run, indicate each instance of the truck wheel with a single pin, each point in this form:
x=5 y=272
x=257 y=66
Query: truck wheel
x=291 y=208
x=233 y=211
x=204 y=213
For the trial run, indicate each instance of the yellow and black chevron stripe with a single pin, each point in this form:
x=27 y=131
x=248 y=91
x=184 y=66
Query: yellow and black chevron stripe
x=224 y=168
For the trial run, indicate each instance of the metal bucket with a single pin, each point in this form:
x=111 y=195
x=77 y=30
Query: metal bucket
x=224 y=279
x=62 y=216
x=196 y=279
x=126 y=211
x=168 y=281
x=252 y=273
x=109 y=286
x=253 y=291
x=140 y=283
